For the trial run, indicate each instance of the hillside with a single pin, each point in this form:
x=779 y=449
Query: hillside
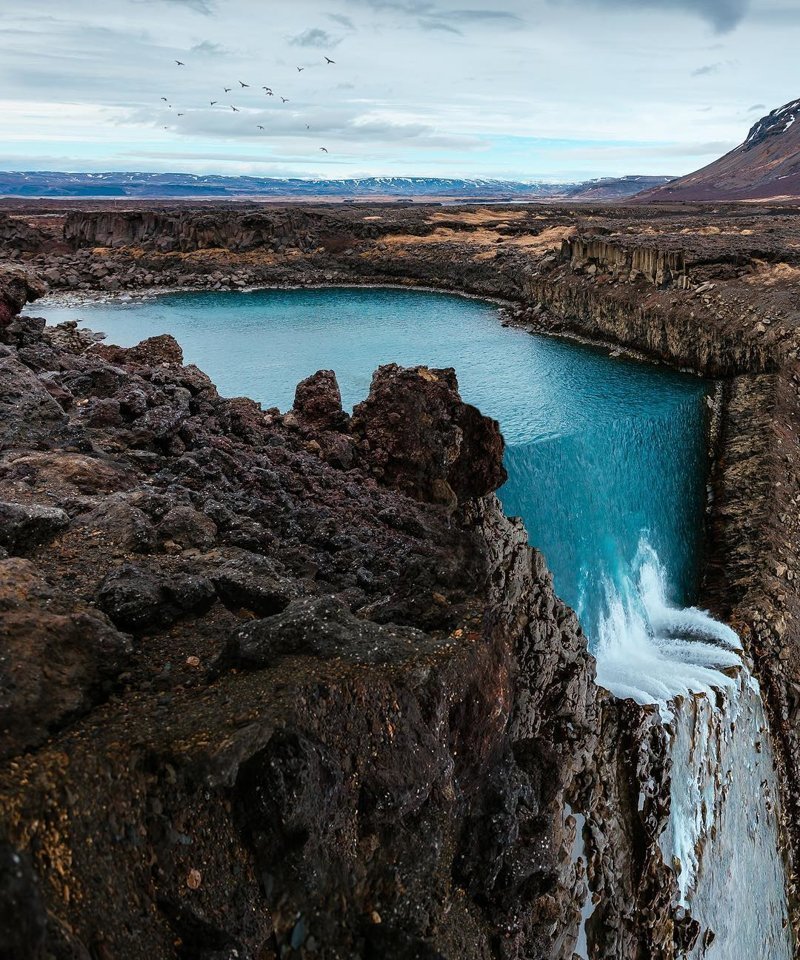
x=766 y=166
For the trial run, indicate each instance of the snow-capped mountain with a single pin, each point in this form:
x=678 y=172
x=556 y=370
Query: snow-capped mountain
x=766 y=166
x=191 y=186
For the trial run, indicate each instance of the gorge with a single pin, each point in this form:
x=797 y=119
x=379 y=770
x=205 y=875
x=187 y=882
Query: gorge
x=608 y=463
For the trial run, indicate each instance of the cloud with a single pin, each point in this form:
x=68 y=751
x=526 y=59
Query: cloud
x=723 y=15
x=314 y=37
x=342 y=20
x=708 y=69
x=757 y=106
x=209 y=49
x=206 y=7
x=431 y=15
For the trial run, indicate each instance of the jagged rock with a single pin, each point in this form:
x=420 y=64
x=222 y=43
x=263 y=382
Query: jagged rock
x=16 y=289
x=318 y=403
x=121 y=524
x=322 y=627
x=163 y=349
x=250 y=582
x=138 y=599
x=27 y=411
x=25 y=526
x=57 y=657
x=418 y=435
x=188 y=527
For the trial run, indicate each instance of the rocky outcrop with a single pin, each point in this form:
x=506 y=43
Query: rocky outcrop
x=267 y=703
x=596 y=254
x=16 y=289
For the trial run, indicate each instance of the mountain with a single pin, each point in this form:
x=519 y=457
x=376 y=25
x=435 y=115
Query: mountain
x=189 y=186
x=765 y=167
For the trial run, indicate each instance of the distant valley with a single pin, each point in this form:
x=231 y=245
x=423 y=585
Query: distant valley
x=183 y=185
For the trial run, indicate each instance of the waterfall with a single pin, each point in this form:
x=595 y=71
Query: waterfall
x=651 y=651
x=722 y=837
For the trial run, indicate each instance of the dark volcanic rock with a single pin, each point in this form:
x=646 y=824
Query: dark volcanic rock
x=16 y=289
x=57 y=657
x=23 y=917
x=322 y=627
x=27 y=411
x=318 y=402
x=251 y=582
x=154 y=351
x=24 y=526
x=137 y=599
x=418 y=436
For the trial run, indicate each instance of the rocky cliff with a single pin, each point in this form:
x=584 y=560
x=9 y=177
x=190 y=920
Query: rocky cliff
x=398 y=526
x=292 y=685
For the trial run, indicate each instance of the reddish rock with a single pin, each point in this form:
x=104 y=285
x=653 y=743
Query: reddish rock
x=318 y=402
x=154 y=351
x=419 y=436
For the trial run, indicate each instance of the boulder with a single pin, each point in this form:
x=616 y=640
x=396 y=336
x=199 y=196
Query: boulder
x=58 y=657
x=418 y=435
x=24 y=526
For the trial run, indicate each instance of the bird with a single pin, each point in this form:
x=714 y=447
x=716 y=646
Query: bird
x=228 y=89
x=242 y=84
x=329 y=60
x=180 y=63
x=268 y=89
x=324 y=149
x=300 y=69
x=260 y=127
x=308 y=127
x=285 y=99
x=213 y=103
x=235 y=109
x=165 y=100
x=270 y=93
x=180 y=114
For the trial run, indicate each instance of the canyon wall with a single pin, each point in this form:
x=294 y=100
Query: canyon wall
x=690 y=305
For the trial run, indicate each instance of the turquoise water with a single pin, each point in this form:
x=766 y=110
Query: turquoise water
x=603 y=453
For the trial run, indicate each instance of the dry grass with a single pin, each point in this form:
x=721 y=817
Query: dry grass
x=478 y=217
x=549 y=239
x=772 y=275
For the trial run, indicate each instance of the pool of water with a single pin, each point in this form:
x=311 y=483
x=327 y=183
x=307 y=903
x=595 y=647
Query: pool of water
x=606 y=457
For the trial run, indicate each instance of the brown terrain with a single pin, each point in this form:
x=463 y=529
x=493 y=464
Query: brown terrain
x=290 y=684
x=766 y=166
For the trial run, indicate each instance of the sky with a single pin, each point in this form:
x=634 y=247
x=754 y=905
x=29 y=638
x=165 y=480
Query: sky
x=517 y=89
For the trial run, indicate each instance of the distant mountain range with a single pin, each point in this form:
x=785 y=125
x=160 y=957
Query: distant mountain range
x=173 y=186
x=765 y=167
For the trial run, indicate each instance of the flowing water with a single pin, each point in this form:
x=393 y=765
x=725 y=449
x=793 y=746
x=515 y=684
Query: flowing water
x=607 y=463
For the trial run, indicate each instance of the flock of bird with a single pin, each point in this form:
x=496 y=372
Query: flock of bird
x=244 y=86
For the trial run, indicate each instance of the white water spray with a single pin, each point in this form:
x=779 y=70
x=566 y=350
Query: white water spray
x=722 y=838
x=652 y=652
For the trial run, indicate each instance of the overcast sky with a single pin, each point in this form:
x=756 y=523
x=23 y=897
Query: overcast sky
x=525 y=89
